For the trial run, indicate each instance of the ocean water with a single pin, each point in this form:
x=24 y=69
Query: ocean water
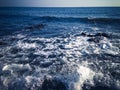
x=60 y=48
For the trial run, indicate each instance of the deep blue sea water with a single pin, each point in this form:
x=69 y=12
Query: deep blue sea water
x=60 y=48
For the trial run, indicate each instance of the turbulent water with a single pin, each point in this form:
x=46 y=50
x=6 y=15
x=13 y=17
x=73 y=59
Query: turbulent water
x=59 y=48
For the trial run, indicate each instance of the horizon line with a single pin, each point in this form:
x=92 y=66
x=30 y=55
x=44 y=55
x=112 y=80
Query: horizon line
x=57 y=6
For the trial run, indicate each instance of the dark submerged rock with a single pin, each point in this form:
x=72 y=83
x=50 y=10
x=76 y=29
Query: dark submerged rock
x=96 y=35
x=87 y=35
x=83 y=34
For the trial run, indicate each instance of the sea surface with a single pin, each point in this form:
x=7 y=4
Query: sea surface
x=60 y=48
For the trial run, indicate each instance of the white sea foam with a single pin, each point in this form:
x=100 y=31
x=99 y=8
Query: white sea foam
x=84 y=74
x=84 y=47
x=95 y=28
x=117 y=83
x=26 y=45
x=31 y=80
x=20 y=36
x=16 y=67
x=72 y=71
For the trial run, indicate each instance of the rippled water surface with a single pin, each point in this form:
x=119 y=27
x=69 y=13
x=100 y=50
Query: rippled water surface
x=59 y=49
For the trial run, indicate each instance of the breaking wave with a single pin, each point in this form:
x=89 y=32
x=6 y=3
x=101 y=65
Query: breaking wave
x=69 y=63
x=78 y=19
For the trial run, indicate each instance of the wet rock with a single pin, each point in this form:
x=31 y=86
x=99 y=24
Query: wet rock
x=53 y=84
x=102 y=34
x=39 y=26
x=88 y=35
x=83 y=34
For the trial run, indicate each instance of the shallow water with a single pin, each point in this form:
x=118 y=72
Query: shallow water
x=59 y=49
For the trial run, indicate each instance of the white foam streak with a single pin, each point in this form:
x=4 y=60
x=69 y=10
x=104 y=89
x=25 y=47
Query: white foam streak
x=26 y=45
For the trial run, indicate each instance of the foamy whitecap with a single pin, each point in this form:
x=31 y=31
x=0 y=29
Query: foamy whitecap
x=26 y=45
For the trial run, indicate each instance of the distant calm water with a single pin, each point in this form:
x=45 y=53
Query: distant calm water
x=60 y=48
